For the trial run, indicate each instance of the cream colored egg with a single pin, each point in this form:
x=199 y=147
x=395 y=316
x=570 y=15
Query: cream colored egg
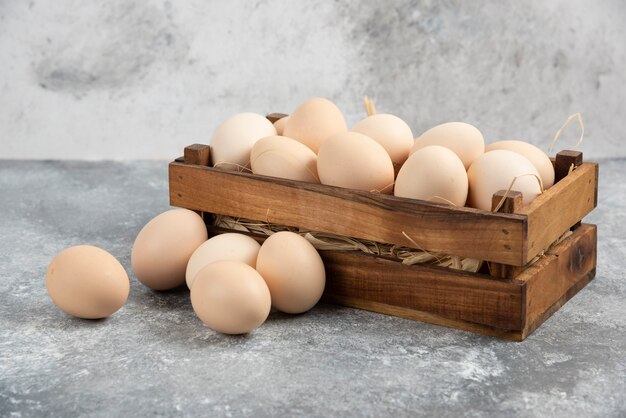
x=355 y=161
x=163 y=247
x=279 y=156
x=540 y=159
x=494 y=171
x=232 y=141
x=389 y=131
x=314 y=121
x=293 y=271
x=462 y=138
x=231 y=246
x=280 y=125
x=87 y=282
x=433 y=173
x=230 y=297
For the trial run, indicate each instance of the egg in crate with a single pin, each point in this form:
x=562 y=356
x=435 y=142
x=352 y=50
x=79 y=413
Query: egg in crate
x=232 y=141
x=389 y=131
x=538 y=158
x=280 y=125
x=355 y=161
x=464 y=139
x=433 y=173
x=496 y=170
x=279 y=156
x=314 y=121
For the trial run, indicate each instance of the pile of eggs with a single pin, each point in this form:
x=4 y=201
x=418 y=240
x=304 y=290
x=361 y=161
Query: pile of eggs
x=233 y=280
x=448 y=163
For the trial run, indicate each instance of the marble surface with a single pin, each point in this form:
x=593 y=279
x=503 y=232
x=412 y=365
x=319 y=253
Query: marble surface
x=127 y=79
x=155 y=358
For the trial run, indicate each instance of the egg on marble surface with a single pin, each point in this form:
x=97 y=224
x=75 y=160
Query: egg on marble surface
x=230 y=246
x=230 y=297
x=163 y=247
x=293 y=270
x=433 y=173
x=280 y=125
x=314 y=121
x=87 y=282
x=495 y=171
x=389 y=131
x=462 y=138
x=279 y=156
x=355 y=161
x=232 y=141
x=540 y=159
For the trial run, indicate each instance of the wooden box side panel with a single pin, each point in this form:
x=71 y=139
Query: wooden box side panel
x=459 y=231
x=372 y=282
x=549 y=217
x=559 y=275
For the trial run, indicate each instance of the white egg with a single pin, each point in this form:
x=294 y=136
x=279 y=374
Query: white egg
x=233 y=140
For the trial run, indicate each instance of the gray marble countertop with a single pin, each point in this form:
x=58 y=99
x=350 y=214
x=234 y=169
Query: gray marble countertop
x=154 y=357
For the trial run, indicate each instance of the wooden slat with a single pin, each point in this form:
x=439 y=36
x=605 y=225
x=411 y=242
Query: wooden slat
x=198 y=154
x=505 y=201
x=436 y=227
x=564 y=162
x=549 y=282
x=444 y=292
x=560 y=207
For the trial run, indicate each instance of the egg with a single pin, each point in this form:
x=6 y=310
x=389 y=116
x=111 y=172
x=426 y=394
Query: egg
x=433 y=173
x=163 y=247
x=230 y=297
x=293 y=270
x=462 y=138
x=355 y=161
x=389 y=131
x=279 y=156
x=494 y=171
x=230 y=246
x=280 y=125
x=540 y=159
x=314 y=121
x=87 y=282
x=232 y=141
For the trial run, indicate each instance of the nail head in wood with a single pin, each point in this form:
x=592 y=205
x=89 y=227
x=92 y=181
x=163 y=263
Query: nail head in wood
x=564 y=161
x=273 y=117
x=512 y=202
x=197 y=154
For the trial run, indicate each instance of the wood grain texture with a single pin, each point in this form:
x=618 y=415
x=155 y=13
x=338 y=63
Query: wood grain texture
x=197 y=154
x=564 y=161
x=561 y=206
x=506 y=202
x=437 y=227
x=569 y=265
x=444 y=292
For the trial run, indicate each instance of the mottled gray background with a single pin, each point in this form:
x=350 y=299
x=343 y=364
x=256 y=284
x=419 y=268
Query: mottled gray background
x=125 y=80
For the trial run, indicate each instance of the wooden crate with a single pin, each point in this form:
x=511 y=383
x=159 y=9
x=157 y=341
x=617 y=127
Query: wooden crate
x=510 y=299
